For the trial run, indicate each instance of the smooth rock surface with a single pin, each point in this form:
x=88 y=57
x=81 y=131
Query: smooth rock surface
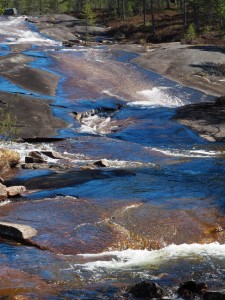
x=73 y=234
x=17 y=231
x=3 y=192
x=15 y=190
x=207 y=119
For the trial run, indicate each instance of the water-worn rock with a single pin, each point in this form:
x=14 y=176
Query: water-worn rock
x=213 y=296
x=188 y=289
x=52 y=154
x=18 y=297
x=17 y=232
x=207 y=119
x=30 y=113
x=3 y=192
x=55 y=166
x=41 y=139
x=103 y=163
x=15 y=190
x=36 y=155
x=147 y=290
x=73 y=234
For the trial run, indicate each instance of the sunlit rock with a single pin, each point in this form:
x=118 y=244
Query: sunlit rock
x=16 y=232
x=15 y=190
x=3 y=192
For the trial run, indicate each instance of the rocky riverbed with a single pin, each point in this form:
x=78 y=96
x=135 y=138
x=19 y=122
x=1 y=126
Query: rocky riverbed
x=199 y=66
x=117 y=190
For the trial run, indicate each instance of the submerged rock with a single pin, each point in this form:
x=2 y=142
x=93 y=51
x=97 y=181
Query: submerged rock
x=188 y=289
x=213 y=296
x=148 y=290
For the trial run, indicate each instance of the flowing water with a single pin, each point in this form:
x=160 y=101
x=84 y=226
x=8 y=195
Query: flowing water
x=156 y=211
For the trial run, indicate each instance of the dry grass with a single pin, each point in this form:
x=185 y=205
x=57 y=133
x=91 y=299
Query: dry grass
x=8 y=159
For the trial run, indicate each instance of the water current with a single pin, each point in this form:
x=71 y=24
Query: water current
x=151 y=214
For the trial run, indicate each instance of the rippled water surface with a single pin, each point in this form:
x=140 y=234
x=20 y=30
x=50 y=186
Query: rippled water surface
x=152 y=213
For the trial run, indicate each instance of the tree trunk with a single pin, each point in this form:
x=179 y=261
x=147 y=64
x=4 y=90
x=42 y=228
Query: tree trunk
x=144 y=11
x=118 y=8
x=40 y=7
x=123 y=9
x=153 y=17
x=184 y=14
x=167 y=4
x=196 y=16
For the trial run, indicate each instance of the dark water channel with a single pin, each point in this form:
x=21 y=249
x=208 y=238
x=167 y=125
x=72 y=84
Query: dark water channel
x=151 y=214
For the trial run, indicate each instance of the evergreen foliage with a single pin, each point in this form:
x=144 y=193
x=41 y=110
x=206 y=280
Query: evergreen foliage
x=190 y=34
x=8 y=126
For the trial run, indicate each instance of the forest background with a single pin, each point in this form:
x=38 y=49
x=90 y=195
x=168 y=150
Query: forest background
x=141 y=21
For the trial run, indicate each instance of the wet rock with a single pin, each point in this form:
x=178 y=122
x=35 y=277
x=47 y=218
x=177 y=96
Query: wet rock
x=17 y=232
x=52 y=154
x=41 y=140
x=3 y=192
x=29 y=160
x=220 y=101
x=213 y=296
x=34 y=157
x=147 y=290
x=37 y=155
x=102 y=111
x=19 y=297
x=35 y=166
x=103 y=163
x=73 y=234
x=188 y=289
x=18 y=284
x=207 y=119
x=15 y=190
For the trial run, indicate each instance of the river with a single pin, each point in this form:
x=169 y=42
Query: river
x=152 y=213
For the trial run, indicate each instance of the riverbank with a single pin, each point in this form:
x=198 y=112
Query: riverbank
x=196 y=66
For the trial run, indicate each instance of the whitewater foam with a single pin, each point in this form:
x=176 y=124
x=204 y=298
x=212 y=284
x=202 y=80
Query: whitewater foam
x=97 y=125
x=139 y=258
x=156 y=97
x=21 y=33
x=2 y=203
x=24 y=148
x=187 y=153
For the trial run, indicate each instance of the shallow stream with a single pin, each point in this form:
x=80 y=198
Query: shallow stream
x=152 y=213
